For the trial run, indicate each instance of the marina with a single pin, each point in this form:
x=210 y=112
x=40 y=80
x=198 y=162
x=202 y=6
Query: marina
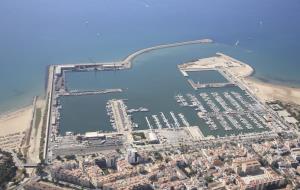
x=110 y=102
x=148 y=122
x=183 y=119
x=176 y=123
x=167 y=124
x=157 y=122
x=226 y=110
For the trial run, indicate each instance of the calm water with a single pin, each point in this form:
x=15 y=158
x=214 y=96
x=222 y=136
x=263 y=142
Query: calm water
x=36 y=33
x=209 y=76
x=152 y=83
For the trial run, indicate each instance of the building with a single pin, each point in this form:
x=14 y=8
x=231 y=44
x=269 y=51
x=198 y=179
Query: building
x=295 y=152
x=262 y=181
x=67 y=173
x=60 y=68
x=101 y=163
x=283 y=113
x=133 y=157
x=41 y=186
x=152 y=138
x=94 y=136
x=246 y=166
x=216 y=186
x=111 y=161
x=291 y=120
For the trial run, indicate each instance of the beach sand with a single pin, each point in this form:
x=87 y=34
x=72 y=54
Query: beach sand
x=13 y=126
x=15 y=121
x=269 y=92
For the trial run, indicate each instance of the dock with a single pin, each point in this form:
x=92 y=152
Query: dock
x=148 y=123
x=198 y=85
x=119 y=117
x=91 y=92
x=176 y=123
x=165 y=120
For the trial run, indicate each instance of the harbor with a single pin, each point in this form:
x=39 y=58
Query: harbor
x=108 y=98
x=223 y=111
x=102 y=106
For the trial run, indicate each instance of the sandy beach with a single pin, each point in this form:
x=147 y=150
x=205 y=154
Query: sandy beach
x=13 y=126
x=15 y=121
x=268 y=92
x=263 y=90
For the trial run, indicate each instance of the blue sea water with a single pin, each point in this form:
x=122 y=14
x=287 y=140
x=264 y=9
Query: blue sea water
x=152 y=82
x=37 y=33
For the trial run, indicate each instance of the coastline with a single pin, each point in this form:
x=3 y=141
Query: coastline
x=269 y=91
x=14 y=112
x=13 y=127
x=265 y=91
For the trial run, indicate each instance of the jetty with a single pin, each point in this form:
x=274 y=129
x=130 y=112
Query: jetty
x=90 y=92
x=127 y=61
x=123 y=64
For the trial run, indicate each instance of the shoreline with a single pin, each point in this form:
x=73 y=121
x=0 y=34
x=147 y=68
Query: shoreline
x=14 y=111
x=268 y=91
x=272 y=81
x=129 y=58
x=271 y=91
x=275 y=82
x=278 y=91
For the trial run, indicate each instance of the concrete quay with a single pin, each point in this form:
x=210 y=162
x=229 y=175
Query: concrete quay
x=91 y=92
x=124 y=64
x=120 y=117
x=130 y=58
x=198 y=85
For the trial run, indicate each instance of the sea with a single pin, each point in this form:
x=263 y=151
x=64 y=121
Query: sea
x=38 y=33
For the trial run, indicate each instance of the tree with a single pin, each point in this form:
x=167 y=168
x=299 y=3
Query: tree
x=208 y=179
x=7 y=169
x=39 y=169
x=70 y=157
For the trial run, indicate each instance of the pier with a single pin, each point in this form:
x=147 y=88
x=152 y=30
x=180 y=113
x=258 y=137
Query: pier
x=119 y=118
x=127 y=61
x=91 y=92
x=198 y=85
x=181 y=100
x=140 y=109
x=119 y=65
x=165 y=120
x=157 y=122
x=148 y=123
x=183 y=119
x=177 y=125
